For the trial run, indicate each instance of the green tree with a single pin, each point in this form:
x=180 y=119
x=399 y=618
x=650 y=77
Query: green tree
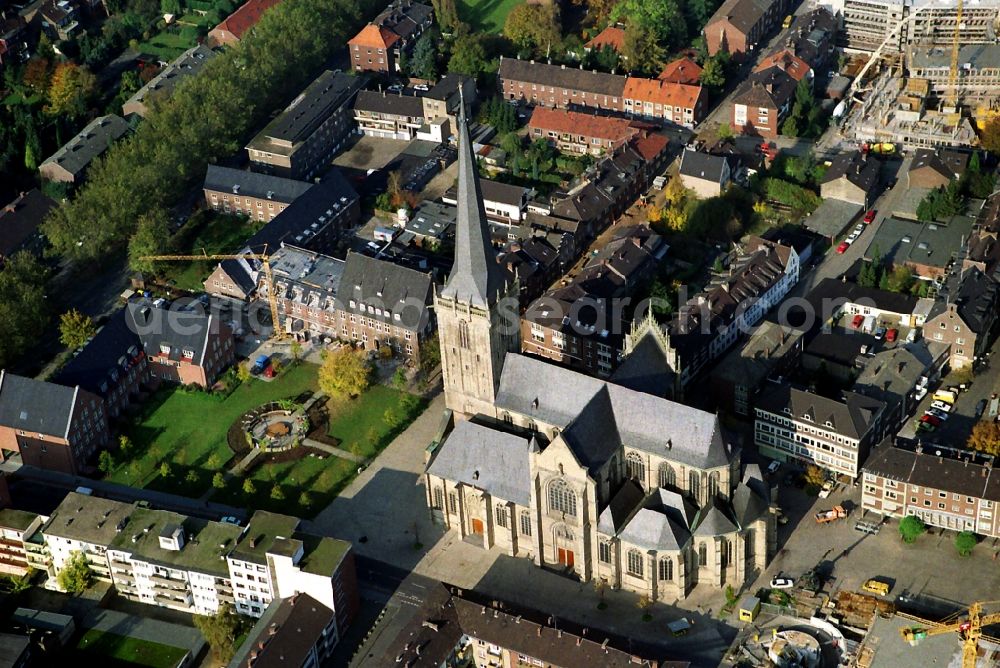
x=70 y=91
x=221 y=631
x=277 y=493
x=713 y=74
x=534 y=27
x=213 y=462
x=965 y=542
x=725 y=130
x=192 y=477
x=125 y=446
x=218 y=480
x=663 y=18
x=75 y=329
x=446 y=14
x=468 y=55
x=911 y=527
x=305 y=499
x=243 y=373
x=76 y=576
x=24 y=312
x=642 y=49
x=901 y=279
x=344 y=373
x=248 y=487
x=165 y=469
x=151 y=238
x=423 y=63
x=30 y=158
x=105 y=462
x=296 y=350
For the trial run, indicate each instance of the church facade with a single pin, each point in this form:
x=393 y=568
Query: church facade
x=578 y=474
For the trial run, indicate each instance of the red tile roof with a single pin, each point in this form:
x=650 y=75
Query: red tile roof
x=786 y=61
x=610 y=36
x=682 y=71
x=246 y=17
x=661 y=92
x=374 y=37
x=576 y=123
x=651 y=146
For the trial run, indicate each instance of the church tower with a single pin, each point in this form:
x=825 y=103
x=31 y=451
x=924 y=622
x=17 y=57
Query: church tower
x=477 y=309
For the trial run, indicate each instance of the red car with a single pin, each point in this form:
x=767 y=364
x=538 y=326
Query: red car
x=857 y=320
x=891 y=335
x=930 y=419
x=842 y=248
x=869 y=217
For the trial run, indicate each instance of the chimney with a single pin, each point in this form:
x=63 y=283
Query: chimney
x=539 y=631
x=578 y=641
x=253 y=543
x=604 y=645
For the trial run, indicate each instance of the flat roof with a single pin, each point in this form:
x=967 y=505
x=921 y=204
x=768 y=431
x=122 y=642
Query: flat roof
x=89 y=519
x=264 y=527
x=933 y=243
x=832 y=217
x=19 y=520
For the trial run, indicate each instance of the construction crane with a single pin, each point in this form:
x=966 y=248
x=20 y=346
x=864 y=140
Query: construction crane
x=265 y=260
x=970 y=630
x=953 y=72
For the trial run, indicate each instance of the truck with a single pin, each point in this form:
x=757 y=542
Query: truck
x=261 y=363
x=946 y=396
x=994 y=405
x=868 y=326
x=836 y=513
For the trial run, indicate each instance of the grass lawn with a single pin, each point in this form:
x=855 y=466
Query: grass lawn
x=207 y=232
x=186 y=428
x=323 y=478
x=170 y=43
x=360 y=424
x=486 y=15
x=97 y=647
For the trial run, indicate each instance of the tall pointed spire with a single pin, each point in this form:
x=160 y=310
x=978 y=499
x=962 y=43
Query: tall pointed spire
x=476 y=277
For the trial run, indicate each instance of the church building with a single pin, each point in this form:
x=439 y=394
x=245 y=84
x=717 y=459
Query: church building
x=590 y=477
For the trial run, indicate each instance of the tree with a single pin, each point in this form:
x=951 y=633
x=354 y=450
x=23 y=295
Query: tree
x=989 y=136
x=534 y=27
x=305 y=499
x=165 y=469
x=645 y=603
x=296 y=350
x=192 y=477
x=423 y=63
x=76 y=576
x=901 y=279
x=221 y=631
x=985 y=437
x=468 y=55
x=344 y=373
x=151 y=238
x=965 y=542
x=125 y=445
x=24 y=313
x=725 y=130
x=105 y=462
x=277 y=493
x=70 y=91
x=642 y=50
x=446 y=14
x=601 y=587
x=248 y=487
x=218 y=480
x=75 y=329
x=37 y=74
x=243 y=373
x=713 y=75
x=661 y=17
x=815 y=475
x=911 y=527
x=675 y=193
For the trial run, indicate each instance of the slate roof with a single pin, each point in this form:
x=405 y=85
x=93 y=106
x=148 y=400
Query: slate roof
x=948 y=163
x=646 y=367
x=652 y=530
x=108 y=356
x=712 y=521
x=20 y=219
x=890 y=375
x=187 y=64
x=844 y=291
x=593 y=434
x=558 y=396
x=559 y=77
x=742 y=14
x=933 y=244
x=76 y=155
x=311 y=108
x=947 y=471
x=253 y=184
x=288 y=630
x=974 y=296
x=851 y=416
x=179 y=330
x=487 y=459
x=856 y=168
x=476 y=277
x=393 y=105
x=35 y=405
x=613 y=518
x=751 y=363
x=702 y=165
x=386 y=285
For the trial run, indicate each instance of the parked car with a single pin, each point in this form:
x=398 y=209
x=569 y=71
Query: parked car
x=942 y=406
x=261 y=363
x=980 y=407
x=842 y=248
x=927 y=417
x=779 y=581
x=873 y=586
x=773 y=467
x=870 y=216
x=422 y=87
x=395 y=88
x=891 y=335
x=925 y=427
x=879 y=333
x=866 y=527
x=859 y=228
x=857 y=321
x=229 y=519
x=940 y=415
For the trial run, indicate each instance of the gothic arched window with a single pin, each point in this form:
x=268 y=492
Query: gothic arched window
x=635 y=562
x=562 y=499
x=668 y=477
x=666 y=568
x=635 y=468
x=463 y=334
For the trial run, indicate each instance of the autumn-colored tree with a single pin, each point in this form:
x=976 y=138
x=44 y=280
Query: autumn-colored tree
x=344 y=373
x=675 y=192
x=75 y=329
x=535 y=27
x=642 y=49
x=815 y=475
x=37 y=74
x=989 y=136
x=985 y=437
x=71 y=90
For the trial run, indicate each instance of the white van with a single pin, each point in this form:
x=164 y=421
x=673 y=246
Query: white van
x=869 y=324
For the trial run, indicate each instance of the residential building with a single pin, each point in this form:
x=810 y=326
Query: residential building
x=381 y=43
x=612 y=37
x=761 y=102
x=51 y=426
x=430 y=223
x=928 y=248
x=867 y=24
x=812 y=37
x=445 y=97
x=80 y=524
x=580 y=133
x=300 y=142
x=851 y=178
x=367 y=301
x=894 y=376
x=252 y=194
x=706 y=174
x=578 y=322
x=60 y=19
x=546 y=85
x=504 y=203
x=20 y=222
x=834 y=298
x=15 y=526
x=162 y=85
x=772 y=350
x=936 y=168
x=964 y=317
x=658 y=99
x=186 y=347
x=232 y=29
x=112 y=365
x=671 y=506
x=295 y=632
x=789 y=63
x=315 y=221
x=947 y=488
x=388 y=116
x=739 y=26
x=69 y=164
x=792 y=424
x=535 y=262
x=684 y=70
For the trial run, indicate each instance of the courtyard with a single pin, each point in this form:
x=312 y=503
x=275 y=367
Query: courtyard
x=112 y=649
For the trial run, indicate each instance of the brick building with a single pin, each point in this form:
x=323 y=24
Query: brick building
x=936 y=168
x=231 y=30
x=379 y=45
x=576 y=132
x=396 y=116
x=761 y=102
x=301 y=140
x=965 y=316
x=162 y=85
x=257 y=196
x=51 y=426
x=683 y=104
x=851 y=178
x=560 y=86
x=69 y=164
x=738 y=26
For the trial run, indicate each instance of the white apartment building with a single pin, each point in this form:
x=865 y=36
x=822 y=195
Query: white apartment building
x=84 y=524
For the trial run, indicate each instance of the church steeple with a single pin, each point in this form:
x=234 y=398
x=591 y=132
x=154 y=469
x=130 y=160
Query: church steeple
x=476 y=277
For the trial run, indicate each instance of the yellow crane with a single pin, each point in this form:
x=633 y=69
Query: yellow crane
x=970 y=630
x=265 y=260
x=953 y=72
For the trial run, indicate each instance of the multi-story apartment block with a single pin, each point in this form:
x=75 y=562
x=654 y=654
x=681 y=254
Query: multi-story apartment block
x=576 y=132
x=560 y=86
x=380 y=44
x=388 y=116
x=186 y=65
x=295 y=632
x=15 y=527
x=231 y=30
x=965 y=317
x=835 y=434
x=772 y=350
x=186 y=347
x=257 y=196
x=69 y=164
x=657 y=99
x=51 y=426
x=444 y=99
x=162 y=558
x=738 y=26
x=945 y=487
x=301 y=140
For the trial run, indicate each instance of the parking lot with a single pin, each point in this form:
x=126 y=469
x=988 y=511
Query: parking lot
x=929 y=567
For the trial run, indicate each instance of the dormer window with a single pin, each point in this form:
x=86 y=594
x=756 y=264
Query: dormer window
x=164 y=349
x=188 y=354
